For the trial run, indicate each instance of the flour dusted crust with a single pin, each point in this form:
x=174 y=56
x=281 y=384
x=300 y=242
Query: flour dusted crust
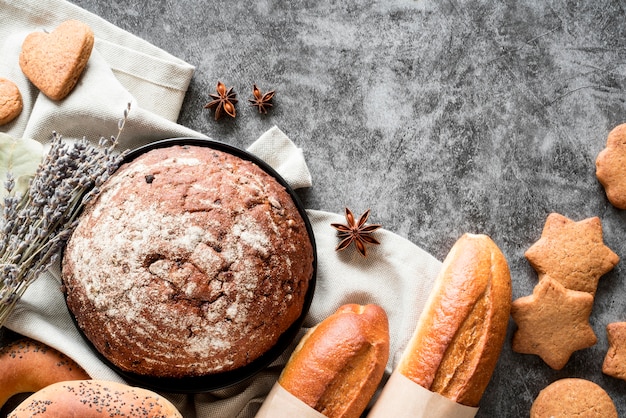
x=191 y=262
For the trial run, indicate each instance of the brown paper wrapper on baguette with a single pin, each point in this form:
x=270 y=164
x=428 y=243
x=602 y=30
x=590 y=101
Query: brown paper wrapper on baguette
x=280 y=403
x=403 y=398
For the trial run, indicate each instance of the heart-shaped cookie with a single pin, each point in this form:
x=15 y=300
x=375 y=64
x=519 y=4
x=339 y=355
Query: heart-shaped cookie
x=54 y=61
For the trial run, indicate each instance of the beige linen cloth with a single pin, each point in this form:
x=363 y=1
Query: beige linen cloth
x=397 y=275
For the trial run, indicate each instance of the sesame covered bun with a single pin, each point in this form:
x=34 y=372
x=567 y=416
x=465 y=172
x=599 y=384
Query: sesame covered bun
x=191 y=261
x=94 y=399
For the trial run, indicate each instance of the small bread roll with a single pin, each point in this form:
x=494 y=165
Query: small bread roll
x=338 y=364
x=94 y=399
x=27 y=365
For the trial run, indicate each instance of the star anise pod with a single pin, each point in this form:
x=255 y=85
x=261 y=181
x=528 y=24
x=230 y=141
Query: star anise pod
x=261 y=101
x=356 y=231
x=224 y=100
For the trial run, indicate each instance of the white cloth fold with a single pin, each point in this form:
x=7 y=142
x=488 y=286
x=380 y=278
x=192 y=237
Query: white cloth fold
x=156 y=79
x=276 y=149
x=396 y=274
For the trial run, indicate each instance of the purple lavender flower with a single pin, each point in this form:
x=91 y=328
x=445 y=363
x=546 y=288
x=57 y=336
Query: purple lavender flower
x=35 y=227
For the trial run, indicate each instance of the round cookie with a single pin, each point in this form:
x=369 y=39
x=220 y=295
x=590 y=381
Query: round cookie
x=573 y=398
x=10 y=101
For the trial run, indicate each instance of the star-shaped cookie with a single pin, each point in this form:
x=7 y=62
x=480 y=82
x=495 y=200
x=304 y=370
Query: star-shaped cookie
x=553 y=322
x=572 y=253
x=615 y=360
x=611 y=167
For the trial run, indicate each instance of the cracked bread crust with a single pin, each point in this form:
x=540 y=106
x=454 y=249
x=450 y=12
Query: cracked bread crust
x=190 y=262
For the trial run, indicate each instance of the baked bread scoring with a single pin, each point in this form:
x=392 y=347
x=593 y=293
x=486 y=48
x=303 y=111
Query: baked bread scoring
x=190 y=262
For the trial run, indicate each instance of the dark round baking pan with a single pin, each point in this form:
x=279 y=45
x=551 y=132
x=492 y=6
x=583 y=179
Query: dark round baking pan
x=212 y=382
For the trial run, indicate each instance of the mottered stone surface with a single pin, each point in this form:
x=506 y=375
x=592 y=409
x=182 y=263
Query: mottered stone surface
x=442 y=117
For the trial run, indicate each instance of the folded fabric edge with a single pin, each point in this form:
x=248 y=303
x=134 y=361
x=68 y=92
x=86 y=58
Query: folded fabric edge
x=279 y=151
x=53 y=326
x=51 y=13
x=164 y=73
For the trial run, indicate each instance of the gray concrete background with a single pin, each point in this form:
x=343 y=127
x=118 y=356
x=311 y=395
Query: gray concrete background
x=442 y=117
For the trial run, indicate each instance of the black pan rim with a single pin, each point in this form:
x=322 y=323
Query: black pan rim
x=218 y=381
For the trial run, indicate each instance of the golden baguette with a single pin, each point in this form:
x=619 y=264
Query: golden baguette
x=461 y=331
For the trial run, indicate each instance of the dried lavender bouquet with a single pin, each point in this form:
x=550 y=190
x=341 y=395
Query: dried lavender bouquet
x=35 y=225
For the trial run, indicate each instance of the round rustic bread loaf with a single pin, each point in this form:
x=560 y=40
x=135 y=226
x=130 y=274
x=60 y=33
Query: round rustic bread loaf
x=191 y=261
